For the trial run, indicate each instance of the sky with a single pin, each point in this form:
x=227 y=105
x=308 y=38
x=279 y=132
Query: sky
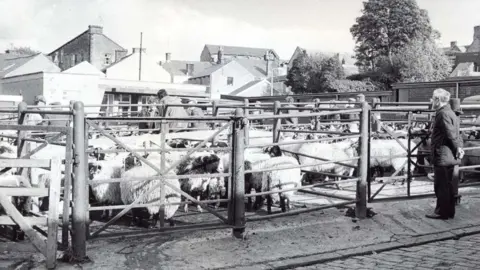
x=183 y=27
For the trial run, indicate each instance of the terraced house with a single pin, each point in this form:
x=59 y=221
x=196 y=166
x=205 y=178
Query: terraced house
x=239 y=71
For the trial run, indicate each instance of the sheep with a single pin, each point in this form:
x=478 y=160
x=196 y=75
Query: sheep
x=202 y=163
x=381 y=152
x=7 y=152
x=332 y=151
x=275 y=180
x=105 y=193
x=131 y=190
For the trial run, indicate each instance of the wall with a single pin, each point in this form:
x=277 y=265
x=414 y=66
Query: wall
x=240 y=75
x=260 y=89
x=38 y=63
x=63 y=87
x=100 y=45
x=79 y=46
x=180 y=78
x=28 y=86
x=127 y=69
x=89 y=46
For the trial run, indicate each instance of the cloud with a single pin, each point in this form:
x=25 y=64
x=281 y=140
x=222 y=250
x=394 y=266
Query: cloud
x=167 y=26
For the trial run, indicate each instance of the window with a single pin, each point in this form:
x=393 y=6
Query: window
x=229 y=80
x=108 y=59
x=476 y=67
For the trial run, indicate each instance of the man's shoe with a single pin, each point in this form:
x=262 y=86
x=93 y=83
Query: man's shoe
x=435 y=216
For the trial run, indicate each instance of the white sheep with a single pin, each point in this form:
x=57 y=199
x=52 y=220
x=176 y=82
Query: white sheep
x=331 y=151
x=275 y=180
x=131 y=190
x=382 y=154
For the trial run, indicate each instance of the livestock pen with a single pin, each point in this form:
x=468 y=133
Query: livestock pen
x=237 y=138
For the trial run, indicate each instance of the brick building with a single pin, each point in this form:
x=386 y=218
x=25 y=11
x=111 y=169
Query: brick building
x=465 y=59
x=92 y=46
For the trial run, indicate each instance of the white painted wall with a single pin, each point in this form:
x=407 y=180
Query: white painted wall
x=260 y=89
x=128 y=69
x=240 y=75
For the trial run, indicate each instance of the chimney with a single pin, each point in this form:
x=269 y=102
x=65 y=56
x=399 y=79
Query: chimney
x=453 y=44
x=268 y=67
x=220 y=55
x=476 y=32
x=136 y=50
x=168 y=57
x=119 y=54
x=95 y=29
x=190 y=69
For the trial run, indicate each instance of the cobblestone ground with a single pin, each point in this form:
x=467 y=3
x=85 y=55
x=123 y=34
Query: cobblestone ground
x=451 y=254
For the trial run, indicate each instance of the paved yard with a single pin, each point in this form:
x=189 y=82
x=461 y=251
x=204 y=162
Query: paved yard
x=450 y=254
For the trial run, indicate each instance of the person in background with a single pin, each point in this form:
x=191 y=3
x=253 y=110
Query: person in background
x=258 y=111
x=196 y=112
x=180 y=112
x=446 y=153
x=455 y=105
x=40 y=119
x=292 y=120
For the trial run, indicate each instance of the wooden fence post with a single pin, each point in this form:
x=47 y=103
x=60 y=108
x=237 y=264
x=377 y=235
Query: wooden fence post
x=80 y=197
x=277 y=123
x=361 y=205
x=238 y=180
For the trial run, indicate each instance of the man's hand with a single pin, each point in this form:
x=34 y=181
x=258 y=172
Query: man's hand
x=460 y=153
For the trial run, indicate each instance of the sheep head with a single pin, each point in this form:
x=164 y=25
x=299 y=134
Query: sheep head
x=212 y=163
x=273 y=151
x=93 y=169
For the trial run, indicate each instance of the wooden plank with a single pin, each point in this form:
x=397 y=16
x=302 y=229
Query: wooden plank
x=38 y=242
x=53 y=200
x=6 y=220
x=25 y=163
x=34 y=128
x=24 y=191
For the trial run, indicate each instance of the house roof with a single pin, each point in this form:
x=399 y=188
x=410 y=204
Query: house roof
x=114 y=63
x=179 y=68
x=456 y=49
x=10 y=62
x=84 y=32
x=245 y=87
x=208 y=71
x=235 y=50
x=84 y=68
x=258 y=68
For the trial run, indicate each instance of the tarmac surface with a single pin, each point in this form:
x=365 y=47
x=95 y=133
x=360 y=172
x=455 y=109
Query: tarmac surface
x=326 y=237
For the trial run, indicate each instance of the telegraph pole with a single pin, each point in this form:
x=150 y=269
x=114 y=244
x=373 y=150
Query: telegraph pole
x=140 y=59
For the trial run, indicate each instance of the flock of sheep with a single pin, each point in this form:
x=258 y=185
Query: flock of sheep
x=268 y=169
x=267 y=165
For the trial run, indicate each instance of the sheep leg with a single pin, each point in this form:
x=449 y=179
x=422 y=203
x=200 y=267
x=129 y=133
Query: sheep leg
x=269 y=204
x=199 y=208
x=282 y=202
x=171 y=222
x=217 y=204
x=185 y=206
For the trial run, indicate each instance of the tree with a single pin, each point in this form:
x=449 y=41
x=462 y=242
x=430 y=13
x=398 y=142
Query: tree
x=385 y=26
x=298 y=75
x=21 y=50
x=421 y=61
x=313 y=73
